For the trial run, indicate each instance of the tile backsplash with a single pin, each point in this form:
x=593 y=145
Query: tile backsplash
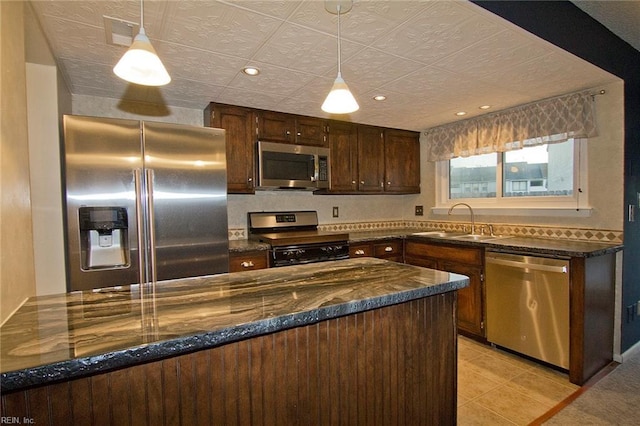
x=593 y=235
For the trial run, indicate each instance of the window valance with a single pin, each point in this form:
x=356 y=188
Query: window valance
x=542 y=122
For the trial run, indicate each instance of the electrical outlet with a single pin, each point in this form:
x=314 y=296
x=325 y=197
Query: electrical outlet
x=419 y=211
x=336 y=212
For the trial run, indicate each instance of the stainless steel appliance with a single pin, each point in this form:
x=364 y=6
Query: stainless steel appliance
x=145 y=201
x=284 y=166
x=528 y=305
x=295 y=239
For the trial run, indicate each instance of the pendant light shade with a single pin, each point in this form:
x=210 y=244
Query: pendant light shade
x=141 y=64
x=339 y=100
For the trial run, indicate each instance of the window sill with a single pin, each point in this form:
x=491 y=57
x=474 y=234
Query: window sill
x=517 y=211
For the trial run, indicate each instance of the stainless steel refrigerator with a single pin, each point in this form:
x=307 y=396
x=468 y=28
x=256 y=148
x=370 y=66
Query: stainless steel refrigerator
x=145 y=201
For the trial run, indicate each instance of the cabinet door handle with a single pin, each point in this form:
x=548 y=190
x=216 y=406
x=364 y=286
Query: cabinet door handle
x=287 y=133
x=248 y=264
x=250 y=180
x=359 y=252
x=389 y=183
x=299 y=133
x=361 y=182
x=388 y=249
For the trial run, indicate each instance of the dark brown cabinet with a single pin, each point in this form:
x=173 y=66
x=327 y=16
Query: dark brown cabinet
x=401 y=161
x=364 y=159
x=343 y=144
x=248 y=260
x=289 y=128
x=467 y=261
x=370 y=159
x=390 y=249
x=240 y=129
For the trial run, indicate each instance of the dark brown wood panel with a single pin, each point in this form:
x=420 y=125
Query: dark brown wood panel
x=343 y=145
x=468 y=255
x=402 y=161
x=240 y=132
x=393 y=365
x=370 y=159
x=248 y=260
x=276 y=126
x=592 y=296
x=311 y=131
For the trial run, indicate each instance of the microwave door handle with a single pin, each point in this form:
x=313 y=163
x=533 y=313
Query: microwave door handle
x=316 y=168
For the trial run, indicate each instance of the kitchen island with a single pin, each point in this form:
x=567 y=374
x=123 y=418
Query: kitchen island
x=355 y=341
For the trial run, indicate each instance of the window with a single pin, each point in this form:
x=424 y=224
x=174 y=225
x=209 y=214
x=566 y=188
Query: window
x=543 y=176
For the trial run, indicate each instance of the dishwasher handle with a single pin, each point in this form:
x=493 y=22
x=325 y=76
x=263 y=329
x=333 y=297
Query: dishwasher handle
x=530 y=266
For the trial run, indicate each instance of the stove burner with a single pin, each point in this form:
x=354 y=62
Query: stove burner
x=295 y=239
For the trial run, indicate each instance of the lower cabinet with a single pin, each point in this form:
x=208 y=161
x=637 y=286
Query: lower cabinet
x=390 y=249
x=460 y=260
x=248 y=260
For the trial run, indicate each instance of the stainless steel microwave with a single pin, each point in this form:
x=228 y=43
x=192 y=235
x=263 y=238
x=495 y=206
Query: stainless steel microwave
x=284 y=166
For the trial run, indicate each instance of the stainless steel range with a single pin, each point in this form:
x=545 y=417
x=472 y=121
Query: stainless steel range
x=295 y=239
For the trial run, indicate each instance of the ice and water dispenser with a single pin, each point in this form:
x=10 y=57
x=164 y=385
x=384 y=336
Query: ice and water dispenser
x=103 y=237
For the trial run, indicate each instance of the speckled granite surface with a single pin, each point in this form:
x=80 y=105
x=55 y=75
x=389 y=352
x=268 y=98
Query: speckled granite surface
x=59 y=337
x=524 y=245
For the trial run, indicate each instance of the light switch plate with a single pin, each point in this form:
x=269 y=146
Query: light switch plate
x=336 y=212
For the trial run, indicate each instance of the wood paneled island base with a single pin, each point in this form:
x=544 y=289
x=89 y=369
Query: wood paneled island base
x=389 y=365
x=356 y=341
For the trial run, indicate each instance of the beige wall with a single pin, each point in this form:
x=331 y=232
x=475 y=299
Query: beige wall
x=16 y=245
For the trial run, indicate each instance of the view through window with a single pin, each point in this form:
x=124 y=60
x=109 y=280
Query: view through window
x=542 y=170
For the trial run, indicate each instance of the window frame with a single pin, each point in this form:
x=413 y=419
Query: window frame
x=576 y=204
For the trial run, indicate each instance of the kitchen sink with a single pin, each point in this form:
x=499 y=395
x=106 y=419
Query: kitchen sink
x=474 y=237
x=439 y=234
x=459 y=236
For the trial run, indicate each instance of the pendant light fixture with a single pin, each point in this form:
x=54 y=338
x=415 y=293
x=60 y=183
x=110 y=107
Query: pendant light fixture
x=141 y=64
x=339 y=100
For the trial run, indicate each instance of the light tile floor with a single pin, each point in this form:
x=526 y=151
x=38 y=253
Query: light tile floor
x=498 y=388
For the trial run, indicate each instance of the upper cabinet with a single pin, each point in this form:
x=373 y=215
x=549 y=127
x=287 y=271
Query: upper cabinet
x=370 y=159
x=343 y=145
x=240 y=131
x=289 y=128
x=401 y=161
x=364 y=159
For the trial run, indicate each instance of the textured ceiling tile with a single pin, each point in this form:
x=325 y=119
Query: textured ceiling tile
x=272 y=79
x=373 y=68
x=485 y=58
x=74 y=40
x=198 y=65
x=431 y=58
x=303 y=49
x=218 y=27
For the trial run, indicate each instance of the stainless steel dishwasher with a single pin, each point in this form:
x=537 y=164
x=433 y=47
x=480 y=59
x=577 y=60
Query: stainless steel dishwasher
x=528 y=305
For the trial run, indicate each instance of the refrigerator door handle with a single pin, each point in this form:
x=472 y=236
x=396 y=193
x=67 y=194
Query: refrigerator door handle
x=140 y=227
x=152 y=227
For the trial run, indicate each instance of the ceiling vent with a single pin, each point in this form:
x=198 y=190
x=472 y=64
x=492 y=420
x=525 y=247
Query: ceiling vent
x=119 y=32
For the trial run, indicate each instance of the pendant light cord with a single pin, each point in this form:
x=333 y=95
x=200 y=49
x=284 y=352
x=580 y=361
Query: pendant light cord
x=339 y=55
x=142 y=16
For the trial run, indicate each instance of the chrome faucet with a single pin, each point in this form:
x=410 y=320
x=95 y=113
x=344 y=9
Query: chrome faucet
x=473 y=222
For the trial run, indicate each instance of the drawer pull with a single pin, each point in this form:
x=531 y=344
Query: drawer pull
x=359 y=252
x=388 y=249
x=248 y=264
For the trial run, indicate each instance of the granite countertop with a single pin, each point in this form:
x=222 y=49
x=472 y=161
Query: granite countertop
x=238 y=246
x=60 y=337
x=524 y=245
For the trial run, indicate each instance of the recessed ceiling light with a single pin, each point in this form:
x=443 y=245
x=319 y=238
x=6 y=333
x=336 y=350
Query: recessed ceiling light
x=484 y=106
x=379 y=98
x=461 y=113
x=251 y=71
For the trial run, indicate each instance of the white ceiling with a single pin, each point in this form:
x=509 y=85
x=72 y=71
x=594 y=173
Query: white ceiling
x=430 y=58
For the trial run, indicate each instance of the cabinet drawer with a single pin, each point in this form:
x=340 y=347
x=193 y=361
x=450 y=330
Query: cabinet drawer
x=388 y=248
x=466 y=255
x=360 y=250
x=247 y=261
